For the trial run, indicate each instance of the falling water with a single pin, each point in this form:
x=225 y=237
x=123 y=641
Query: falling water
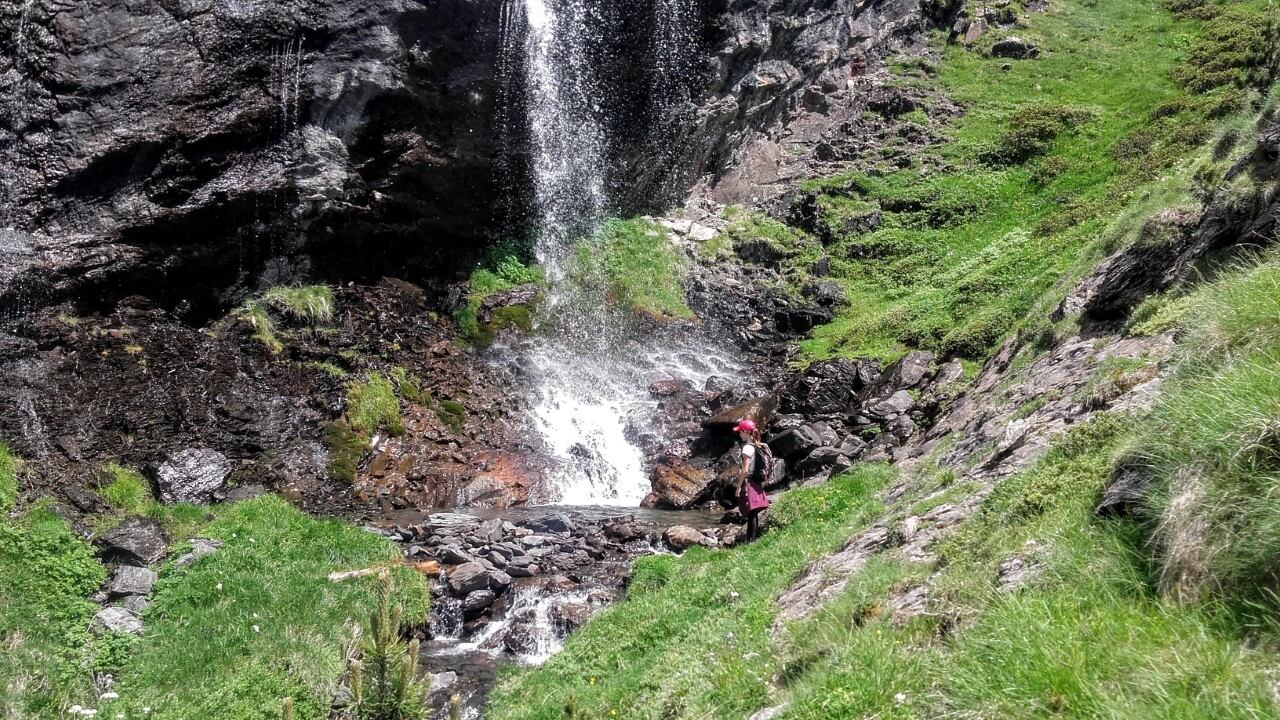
x=590 y=367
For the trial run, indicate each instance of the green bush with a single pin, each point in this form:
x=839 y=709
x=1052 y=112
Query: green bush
x=346 y=448
x=1032 y=130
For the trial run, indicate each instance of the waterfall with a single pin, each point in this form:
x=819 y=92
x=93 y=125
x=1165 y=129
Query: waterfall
x=589 y=367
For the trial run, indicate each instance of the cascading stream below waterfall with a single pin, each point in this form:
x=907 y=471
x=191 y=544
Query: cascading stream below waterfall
x=589 y=367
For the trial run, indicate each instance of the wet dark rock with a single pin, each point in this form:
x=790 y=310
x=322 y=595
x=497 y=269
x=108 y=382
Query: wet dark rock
x=795 y=443
x=134 y=541
x=116 y=620
x=491 y=530
x=1127 y=493
x=468 y=578
x=130 y=580
x=759 y=410
x=679 y=485
x=521 y=567
x=476 y=603
x=667 y=388
x=829 y=387
x=1015 y=48
x=569 y=615
x=626 y=530
x=499 y=581
x=192 y=475
x=852 y=446
x=1167 y=246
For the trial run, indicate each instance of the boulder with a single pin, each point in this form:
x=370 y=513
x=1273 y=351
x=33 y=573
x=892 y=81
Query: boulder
x=454 y=555
x=1015 y=48
x=499 y=581
x=477 y=602
x=468 y=578
x=680 y=537
x=135 y=604
x=678 y=485
x=521 y=567
x=553 y=523
x=569 y=615
x=909 y=370
x=134 y=541
x=491 y=530
x=130 y=580
x=852 y=446
x=116 y=620
x=192 y=475
x=820 y=459
x=826 y=434
x=892 y=406
x=796 y=442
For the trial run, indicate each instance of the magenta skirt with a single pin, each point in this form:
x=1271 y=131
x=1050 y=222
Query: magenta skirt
x=752 y=497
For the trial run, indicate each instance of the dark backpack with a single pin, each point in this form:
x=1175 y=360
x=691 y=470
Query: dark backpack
x=761 y=463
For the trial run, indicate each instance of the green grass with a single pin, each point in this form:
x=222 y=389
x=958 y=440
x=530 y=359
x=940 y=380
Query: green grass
x=1090 y=637
x=1213 y=442
x=46 y=572
x=682 y=644
x=638 y=267
x=310 y=304
x=8 y=479
x=201 y=656
x=1040 y=172
x=127 y=491
x=372 y=405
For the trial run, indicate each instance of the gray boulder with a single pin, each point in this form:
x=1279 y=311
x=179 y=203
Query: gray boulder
x=116 y=620
x=192 y=475
x=1014 y=47
x=553 y=523
x=130 y=580
x=135 y=541
x=892 y=406
x=200 y=547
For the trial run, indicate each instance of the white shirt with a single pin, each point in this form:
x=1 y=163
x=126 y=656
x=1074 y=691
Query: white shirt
x=748 y=451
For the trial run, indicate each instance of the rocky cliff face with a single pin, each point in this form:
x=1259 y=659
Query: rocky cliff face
x=179 y=149
x=194 y=150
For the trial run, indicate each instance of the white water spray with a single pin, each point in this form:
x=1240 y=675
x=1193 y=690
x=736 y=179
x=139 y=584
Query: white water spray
x=590 y=371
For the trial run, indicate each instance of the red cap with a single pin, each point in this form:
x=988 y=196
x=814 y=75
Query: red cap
x=746 y=424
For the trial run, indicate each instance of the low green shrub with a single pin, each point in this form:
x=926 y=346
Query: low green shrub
x=126 y=490
x=1032 y=130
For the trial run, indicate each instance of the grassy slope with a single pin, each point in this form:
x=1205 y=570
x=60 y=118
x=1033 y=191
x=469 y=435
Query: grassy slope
x=200 y=655
x=1093 y=636
x=961 y=255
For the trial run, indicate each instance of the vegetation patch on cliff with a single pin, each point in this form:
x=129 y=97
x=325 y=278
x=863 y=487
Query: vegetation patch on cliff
x=637 y=265
x=506 y=267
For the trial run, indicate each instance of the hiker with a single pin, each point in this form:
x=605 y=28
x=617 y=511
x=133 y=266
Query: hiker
x=757 y=462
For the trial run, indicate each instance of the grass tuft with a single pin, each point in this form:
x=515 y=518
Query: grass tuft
x=636 y=263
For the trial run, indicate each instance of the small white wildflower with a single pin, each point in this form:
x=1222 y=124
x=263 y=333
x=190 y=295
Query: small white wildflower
x=218 y=586
x=109 y=696
x=900 y=698
x=252 y=540
x=256 y=629
x=75 y=709
x=119 y=716
x=146 y=710
x=255 y=616
x=728 y=635
x=733 y=594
